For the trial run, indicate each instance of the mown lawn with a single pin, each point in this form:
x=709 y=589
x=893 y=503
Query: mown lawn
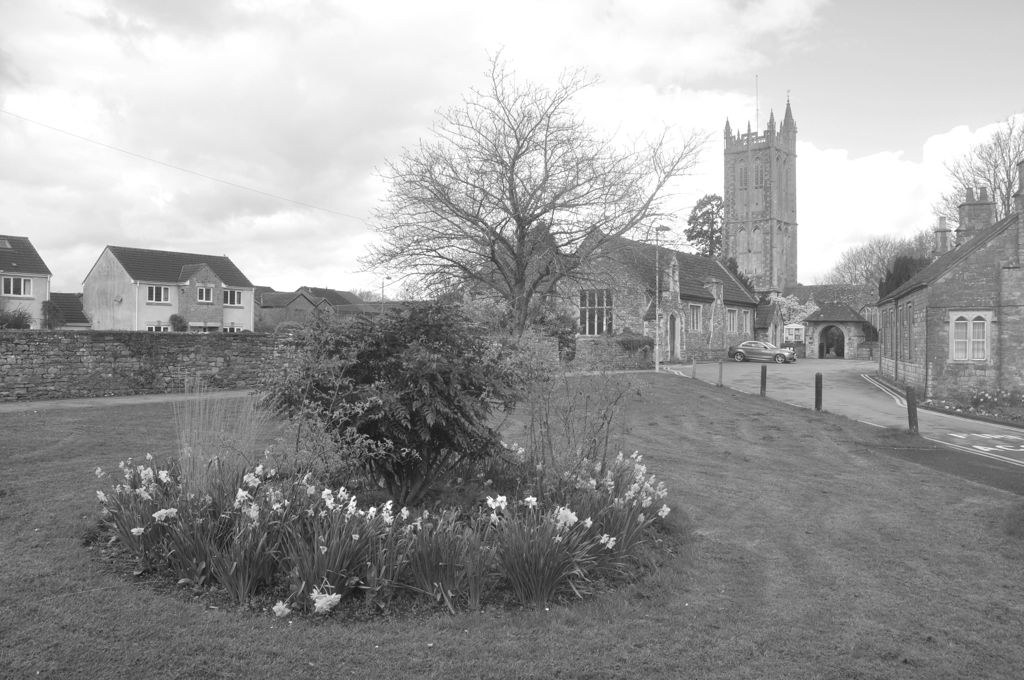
x=806 y=547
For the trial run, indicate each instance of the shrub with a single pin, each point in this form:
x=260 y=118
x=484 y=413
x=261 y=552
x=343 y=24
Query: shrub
x=15 y=319
x=573 y=423
x=408 y=394
x=178 y=323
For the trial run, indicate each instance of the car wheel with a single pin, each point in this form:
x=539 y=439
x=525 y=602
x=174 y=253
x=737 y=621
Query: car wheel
x=738 y=357
x=780 y=358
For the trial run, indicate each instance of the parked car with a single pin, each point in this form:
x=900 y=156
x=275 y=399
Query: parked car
x=761 y=351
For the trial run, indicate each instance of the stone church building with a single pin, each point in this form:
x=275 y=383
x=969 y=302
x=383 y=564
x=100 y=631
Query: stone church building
x=759 y=231
x=695 y=306
x=759 y=227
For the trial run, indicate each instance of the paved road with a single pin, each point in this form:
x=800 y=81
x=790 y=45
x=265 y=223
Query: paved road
x=849 y=388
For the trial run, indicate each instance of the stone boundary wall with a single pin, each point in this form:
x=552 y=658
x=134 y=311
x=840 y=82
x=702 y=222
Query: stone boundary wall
x=68 y=364
x=588 y=353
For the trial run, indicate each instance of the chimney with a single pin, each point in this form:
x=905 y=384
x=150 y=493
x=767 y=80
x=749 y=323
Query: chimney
x=975 y=214
x=941 y=237
x=1018 y=198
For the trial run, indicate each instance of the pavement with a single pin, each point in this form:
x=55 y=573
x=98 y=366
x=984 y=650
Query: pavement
x=94 y=402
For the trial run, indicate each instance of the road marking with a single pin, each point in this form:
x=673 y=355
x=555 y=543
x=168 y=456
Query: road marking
x=976 y=452
x=868 y=422
x=885 y=388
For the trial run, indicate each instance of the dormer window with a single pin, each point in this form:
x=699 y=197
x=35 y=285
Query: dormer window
x=5 y=244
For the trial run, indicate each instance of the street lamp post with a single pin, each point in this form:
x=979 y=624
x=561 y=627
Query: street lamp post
x=657 y=297
x=386 y=278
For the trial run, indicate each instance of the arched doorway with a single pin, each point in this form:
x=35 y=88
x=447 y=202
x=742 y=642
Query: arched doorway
x=673 y=351
x=831 y=343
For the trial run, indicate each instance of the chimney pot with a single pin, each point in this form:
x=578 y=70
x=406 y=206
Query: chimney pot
x=970 y=195
x=984 y=195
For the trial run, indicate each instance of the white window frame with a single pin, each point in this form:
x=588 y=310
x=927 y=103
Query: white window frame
x=232 y=298
x=793 y=332
x=231 y=329
x=596 y=311
x=694 y=318
x=204 y=294
x=974 y=344
x=24 y=284
x=158 y=328
x=747 y=327
x=732 y=318
x=158 y=294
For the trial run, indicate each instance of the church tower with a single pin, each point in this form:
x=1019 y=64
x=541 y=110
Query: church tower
x=759 y=201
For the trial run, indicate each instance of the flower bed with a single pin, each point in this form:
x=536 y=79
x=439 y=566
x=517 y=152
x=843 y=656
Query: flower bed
x=1000 y=405
x=259 y=535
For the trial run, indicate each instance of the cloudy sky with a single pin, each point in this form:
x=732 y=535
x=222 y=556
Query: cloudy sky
x=255 y=128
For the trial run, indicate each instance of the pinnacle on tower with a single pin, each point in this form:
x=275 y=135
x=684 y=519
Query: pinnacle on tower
x=771 y=121
x=787 y=121
x=728 y=129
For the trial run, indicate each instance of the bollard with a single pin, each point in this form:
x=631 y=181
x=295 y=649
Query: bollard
x=817 y=391
x=693 y=368
x=912 y=409
x=719 y=372
x=764 y=380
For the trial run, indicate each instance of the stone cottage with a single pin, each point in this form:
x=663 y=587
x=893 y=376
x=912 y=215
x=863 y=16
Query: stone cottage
x=692 y=305
x=956 y=327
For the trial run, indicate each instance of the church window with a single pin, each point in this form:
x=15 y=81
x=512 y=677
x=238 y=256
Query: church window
x=969 y=336
x=693 y=318
x=595 y=312
x=742 y=178
x=759 y=172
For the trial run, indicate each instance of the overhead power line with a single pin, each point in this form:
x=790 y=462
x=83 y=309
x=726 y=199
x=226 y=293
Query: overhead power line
x=181 y=169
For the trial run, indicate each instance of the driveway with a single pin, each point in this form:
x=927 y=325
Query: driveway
x=850 y=388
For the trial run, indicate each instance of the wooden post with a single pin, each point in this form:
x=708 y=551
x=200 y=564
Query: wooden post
x=817 y=391
x=693 y=368
x=764 y=380
x=719 y=372
x=912 y=408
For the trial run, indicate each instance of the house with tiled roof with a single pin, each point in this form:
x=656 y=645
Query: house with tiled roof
x=66 y=313
x=956 y=326
x=24 y=278
x=693 y=304
x=346 y=303
x=140 y=290
x=274 y=308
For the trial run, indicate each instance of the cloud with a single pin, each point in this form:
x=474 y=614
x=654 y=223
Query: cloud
x=306 y=100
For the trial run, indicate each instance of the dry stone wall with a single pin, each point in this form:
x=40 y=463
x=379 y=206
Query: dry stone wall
x=66 y=364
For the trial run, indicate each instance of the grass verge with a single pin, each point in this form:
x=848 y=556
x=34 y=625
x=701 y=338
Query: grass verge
x=812 y=550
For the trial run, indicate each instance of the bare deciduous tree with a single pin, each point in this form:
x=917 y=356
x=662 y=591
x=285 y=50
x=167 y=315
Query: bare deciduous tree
x=991 y=164
x=868 y=263
x=514 y=193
